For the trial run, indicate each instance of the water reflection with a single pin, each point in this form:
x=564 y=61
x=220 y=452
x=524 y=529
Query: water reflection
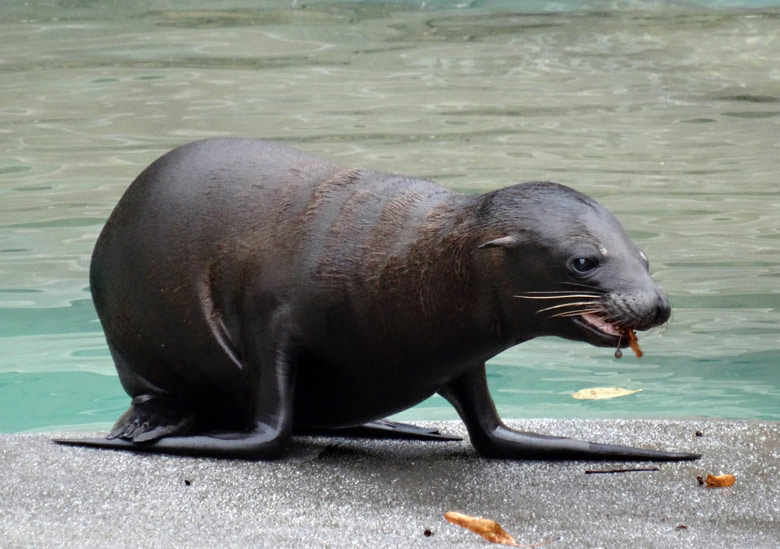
x=665 y=112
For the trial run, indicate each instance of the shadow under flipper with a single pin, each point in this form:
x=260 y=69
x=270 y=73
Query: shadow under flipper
x=382 y=429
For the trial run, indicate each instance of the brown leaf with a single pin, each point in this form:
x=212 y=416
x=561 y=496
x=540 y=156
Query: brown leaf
x=720 y=481
x=488 y=529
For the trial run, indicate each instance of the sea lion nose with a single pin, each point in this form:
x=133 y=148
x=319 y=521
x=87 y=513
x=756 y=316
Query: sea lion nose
x=662 y=309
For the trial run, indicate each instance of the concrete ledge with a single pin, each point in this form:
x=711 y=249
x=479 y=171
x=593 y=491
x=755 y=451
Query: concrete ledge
x=360 y=493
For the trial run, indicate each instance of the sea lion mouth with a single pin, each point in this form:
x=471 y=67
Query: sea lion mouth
x=610 y=333
x=589 y=311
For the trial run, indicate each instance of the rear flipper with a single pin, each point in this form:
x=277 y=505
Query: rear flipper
x=261 y=443
x=151 y=417
x=138 y=436
x=162 y=425
x=490 y=437
x=382 y=429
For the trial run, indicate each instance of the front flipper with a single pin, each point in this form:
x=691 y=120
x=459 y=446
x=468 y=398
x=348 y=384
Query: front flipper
x=470 y=396
x=383 y=429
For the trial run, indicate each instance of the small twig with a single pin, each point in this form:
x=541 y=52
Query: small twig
x=640 y=469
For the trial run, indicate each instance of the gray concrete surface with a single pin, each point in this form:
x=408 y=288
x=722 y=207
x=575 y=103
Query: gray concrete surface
x=358 y=493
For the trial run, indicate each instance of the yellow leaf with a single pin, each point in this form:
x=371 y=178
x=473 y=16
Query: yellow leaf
x=488 y=529
x=720 y=481
x=598 y=393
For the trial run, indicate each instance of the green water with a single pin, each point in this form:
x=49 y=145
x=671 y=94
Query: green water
x=668 y=113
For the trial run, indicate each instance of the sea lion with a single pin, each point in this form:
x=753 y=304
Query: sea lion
x=250 y=291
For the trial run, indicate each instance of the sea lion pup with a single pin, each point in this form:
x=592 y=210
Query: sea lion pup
x=250 y=291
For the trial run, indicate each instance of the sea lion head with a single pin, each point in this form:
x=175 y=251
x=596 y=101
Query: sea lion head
x=565 y=266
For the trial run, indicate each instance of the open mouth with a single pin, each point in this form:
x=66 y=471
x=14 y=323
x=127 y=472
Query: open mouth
x=597 y=325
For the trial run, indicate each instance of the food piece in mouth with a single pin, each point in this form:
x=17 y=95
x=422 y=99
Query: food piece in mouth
x=611 y=329
x=632 y=342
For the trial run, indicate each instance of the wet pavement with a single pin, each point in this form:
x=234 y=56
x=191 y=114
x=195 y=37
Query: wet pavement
x=330 y=492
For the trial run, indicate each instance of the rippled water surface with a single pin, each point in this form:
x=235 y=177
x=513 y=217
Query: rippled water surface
x=667 y=113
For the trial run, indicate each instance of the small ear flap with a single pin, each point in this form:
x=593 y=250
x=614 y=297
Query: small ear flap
x=508 y=241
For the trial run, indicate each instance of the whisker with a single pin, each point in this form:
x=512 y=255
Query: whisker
x=575 y=304
x=616 y=320
x=557 y=296
x=560 y=292
x=580 y=312
x=655 y=330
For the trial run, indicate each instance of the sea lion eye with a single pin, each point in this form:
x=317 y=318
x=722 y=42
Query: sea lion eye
x=582 y=265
